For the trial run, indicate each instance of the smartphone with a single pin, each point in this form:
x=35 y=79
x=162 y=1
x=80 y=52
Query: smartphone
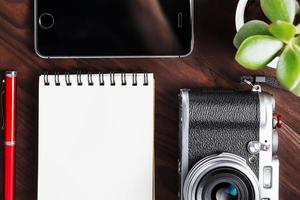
x=113 y=28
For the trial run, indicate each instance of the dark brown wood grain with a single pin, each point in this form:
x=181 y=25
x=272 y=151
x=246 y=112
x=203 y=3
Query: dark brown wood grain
x=210 y=65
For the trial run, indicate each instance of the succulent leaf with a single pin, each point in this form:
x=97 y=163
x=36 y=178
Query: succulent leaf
x=258 y=51
x=296 y=41
x=288 y=69
x=298 y=28
x=284 y=31
x=296 y=91
x=251 y=28
x=279 y=10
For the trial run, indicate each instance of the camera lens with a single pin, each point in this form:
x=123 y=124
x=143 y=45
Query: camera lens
x=221 y=177
x=225 y=184
x=225 y=191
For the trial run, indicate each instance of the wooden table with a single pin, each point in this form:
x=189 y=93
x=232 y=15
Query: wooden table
x=211 y=65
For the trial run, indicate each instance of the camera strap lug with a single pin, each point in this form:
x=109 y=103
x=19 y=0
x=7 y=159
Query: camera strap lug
x=255 y=87
x=255 y=81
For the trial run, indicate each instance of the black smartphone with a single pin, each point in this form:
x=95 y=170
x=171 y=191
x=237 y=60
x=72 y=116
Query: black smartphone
x=113 y=28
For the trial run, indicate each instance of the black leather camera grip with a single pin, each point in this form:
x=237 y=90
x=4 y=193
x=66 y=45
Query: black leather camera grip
x=222 y=121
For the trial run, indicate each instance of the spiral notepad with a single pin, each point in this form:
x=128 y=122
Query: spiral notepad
x=96 y=137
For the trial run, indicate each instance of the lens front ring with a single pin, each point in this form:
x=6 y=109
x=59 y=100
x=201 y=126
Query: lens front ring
x=225 y=183
x=224 y=160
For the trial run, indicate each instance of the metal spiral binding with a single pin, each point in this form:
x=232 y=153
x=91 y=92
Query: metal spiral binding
x=79 y=82
x=123 y=79
x=134 y=79
x=90 y=79
x=112 y=79
x=146 y=81
x=56 y=79
x=46 y=79
x=90 y=76
x=101 y=79
x=67 y=78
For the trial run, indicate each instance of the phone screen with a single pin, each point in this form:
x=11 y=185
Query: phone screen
x=113 y=28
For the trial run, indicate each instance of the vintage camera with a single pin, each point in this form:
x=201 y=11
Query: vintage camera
x=228 y=144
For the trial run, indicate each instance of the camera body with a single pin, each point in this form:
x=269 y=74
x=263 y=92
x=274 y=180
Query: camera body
x=228 y=144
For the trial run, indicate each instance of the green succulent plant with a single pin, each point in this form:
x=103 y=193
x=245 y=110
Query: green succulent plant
x=260 y=43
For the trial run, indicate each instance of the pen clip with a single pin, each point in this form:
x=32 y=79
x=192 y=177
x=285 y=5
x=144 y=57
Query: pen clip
x=2 y=103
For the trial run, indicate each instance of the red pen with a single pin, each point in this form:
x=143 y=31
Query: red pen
x=10 y=92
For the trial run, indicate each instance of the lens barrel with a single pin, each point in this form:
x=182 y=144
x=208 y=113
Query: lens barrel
x=225 y=184
x=221 y=177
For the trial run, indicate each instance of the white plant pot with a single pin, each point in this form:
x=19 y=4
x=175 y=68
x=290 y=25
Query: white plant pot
x=240 y=21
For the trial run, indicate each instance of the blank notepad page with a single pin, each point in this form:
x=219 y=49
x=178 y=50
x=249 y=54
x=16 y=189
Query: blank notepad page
x=96 y=137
